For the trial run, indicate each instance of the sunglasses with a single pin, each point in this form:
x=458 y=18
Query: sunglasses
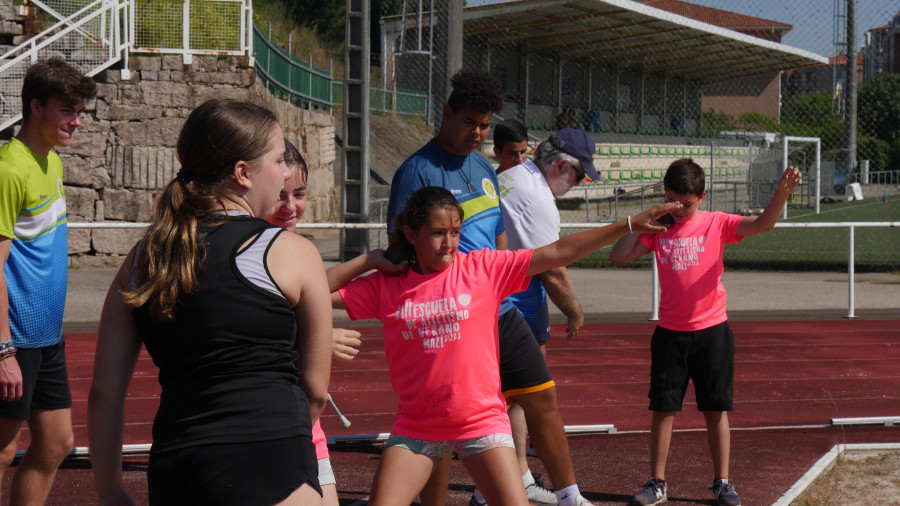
x=579 y=174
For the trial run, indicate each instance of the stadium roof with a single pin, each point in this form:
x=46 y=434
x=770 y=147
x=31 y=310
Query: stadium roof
x=632 y=35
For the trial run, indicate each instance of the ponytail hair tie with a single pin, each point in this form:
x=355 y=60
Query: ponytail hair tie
x=185 y=176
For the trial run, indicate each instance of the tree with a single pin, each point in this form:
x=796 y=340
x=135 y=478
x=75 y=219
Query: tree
x=879 y=107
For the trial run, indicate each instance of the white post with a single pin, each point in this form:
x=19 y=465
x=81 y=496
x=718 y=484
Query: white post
x=818 y=174
x=784 y=164
x=186 y=56
x=850 y=274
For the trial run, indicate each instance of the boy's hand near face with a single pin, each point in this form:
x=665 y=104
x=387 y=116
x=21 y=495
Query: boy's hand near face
x=789 y=180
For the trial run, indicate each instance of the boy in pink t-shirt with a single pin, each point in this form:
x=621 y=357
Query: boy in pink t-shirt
x=693 y=340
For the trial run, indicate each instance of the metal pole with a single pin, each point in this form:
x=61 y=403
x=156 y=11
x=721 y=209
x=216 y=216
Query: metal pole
x=850 y=274
x=851 y=88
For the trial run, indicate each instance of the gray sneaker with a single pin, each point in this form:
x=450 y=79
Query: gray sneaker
x=725 y=494
x=653 y=492
x=540 y=496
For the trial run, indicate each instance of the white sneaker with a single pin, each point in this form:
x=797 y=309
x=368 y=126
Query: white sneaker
x=581 y=501
x=540 y=496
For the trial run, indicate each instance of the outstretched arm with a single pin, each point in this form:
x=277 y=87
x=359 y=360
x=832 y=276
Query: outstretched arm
x=751 y=225
x=572 y=247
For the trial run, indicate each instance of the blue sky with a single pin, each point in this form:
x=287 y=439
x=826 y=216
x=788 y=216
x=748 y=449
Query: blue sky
x=813 y=20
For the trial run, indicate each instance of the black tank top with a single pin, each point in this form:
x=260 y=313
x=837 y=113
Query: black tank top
x=227 y=360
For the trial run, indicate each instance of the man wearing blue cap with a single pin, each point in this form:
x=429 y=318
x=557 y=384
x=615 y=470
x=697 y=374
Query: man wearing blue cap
x=528 y=194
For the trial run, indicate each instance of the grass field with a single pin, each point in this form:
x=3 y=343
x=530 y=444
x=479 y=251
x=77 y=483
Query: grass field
x=812 y=249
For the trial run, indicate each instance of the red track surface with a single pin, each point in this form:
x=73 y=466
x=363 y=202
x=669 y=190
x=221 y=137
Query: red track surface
x=792 y=377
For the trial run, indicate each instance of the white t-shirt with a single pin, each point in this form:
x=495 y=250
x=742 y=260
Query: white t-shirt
x=529 y=208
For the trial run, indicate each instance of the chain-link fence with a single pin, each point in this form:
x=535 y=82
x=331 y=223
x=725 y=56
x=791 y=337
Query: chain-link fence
x=720 y=81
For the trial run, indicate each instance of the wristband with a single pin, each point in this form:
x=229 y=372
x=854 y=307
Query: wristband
x=628 y=220
x=7 y=349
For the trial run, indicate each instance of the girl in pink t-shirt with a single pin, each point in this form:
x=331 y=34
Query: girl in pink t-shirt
x=441 y=342
x=291 y=206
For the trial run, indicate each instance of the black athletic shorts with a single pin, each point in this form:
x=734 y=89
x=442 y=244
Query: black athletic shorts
x=45 y=381
x=240 y=474
x=522 y=367
x=705 y=357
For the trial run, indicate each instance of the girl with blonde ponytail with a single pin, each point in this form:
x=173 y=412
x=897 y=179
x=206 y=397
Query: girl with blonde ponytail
x=240 y=330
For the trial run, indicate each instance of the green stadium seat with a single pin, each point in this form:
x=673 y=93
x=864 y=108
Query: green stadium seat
x=645 y=150
x=613 y=175
x=647 y=174
x=658 y=174
x=625 y=175
x=654 y=151
x=603 y=150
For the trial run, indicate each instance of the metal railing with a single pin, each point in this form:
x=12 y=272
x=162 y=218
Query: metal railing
x=292 y=80
x=90 y=39
x=401 y=103
x=654 y=310
x=192 y=27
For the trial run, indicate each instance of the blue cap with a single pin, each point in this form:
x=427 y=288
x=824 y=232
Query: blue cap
x=579 y=144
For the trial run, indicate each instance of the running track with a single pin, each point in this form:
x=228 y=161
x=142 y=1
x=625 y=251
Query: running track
x=792 y=377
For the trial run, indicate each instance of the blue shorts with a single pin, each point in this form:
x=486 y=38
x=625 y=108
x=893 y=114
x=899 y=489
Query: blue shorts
x=463 y=447
x=704 y=356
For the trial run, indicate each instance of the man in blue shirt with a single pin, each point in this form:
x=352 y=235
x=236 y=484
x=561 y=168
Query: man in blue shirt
x=450 y=160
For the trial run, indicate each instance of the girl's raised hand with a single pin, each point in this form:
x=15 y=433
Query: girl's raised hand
x=644 y=222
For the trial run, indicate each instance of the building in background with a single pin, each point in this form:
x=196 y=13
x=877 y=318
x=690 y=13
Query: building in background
x=759 y=93
x=881 y=51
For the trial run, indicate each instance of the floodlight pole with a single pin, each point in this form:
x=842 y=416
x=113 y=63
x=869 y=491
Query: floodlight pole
x=851 y=88
x=355 y=134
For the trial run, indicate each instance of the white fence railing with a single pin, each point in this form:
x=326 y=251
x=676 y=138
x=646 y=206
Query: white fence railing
x=90 y=39
x=94 y=37
x=851 y=226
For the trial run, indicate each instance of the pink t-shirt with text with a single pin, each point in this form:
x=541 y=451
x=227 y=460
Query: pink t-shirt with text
x=441 y=341
x=689 y=257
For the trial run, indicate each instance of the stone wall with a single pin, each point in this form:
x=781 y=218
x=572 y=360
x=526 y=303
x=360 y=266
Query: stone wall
x=124 y=152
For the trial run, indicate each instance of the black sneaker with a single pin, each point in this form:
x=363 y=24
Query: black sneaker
x=725 y=494
x=653 y=492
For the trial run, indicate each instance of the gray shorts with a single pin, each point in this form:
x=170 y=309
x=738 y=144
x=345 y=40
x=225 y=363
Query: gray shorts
x=326 y=473
x=463 y=447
